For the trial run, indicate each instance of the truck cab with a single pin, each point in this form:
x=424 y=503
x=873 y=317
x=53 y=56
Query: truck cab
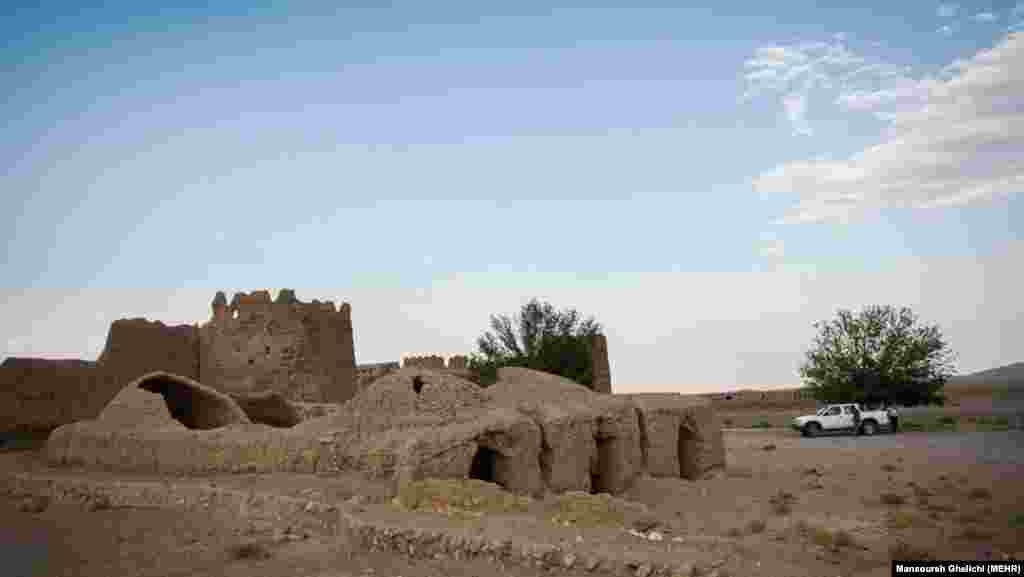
x=843 y=417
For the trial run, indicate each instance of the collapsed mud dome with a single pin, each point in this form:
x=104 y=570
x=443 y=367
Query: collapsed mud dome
x=530 y=433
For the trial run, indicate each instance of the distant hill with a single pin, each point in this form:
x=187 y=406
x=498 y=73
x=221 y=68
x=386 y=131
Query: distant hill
x=1012 y=374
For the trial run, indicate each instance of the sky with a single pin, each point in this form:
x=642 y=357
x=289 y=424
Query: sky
x=706 y=181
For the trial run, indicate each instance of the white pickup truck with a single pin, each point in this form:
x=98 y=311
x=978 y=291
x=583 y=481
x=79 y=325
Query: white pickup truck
x=849 y=417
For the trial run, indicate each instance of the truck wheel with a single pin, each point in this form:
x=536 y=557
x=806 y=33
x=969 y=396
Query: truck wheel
x=812 y=430
x=869 y=428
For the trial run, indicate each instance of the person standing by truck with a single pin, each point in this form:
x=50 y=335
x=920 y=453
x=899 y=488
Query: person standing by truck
x=894 y=417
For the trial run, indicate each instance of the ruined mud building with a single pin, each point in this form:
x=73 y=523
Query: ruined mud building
x=303 y=351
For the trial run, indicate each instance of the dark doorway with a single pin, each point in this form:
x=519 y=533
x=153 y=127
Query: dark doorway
x=485 y=464
x=687 y=451
x=602 y=479
x=417 y=384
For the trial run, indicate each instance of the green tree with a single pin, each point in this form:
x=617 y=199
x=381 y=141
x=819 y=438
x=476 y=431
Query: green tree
x=538 y=337
x=881 y=354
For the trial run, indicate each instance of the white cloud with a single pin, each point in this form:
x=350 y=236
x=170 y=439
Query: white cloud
x=796 y=110
x=984 y=17
x=953 y=140
x=947 y=10
x=772 y=248
x=947 y=30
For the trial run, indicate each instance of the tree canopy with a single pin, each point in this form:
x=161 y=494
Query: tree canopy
x=538 y=337
x=881 y=354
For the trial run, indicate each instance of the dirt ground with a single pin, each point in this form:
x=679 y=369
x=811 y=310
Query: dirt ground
x=785 y=505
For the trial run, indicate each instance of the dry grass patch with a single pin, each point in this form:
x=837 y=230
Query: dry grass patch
x=458 y=498
x=833 y=540
x=902 y=520
x=579 y=509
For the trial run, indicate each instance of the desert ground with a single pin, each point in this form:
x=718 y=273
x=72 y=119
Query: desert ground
x=784 y=505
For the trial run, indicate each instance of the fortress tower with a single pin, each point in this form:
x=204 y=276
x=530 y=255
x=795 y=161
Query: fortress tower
x=304 y=351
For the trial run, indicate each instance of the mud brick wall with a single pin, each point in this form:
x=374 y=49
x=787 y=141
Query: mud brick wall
x=138 y=346
x=602 y=371
x=38 y=395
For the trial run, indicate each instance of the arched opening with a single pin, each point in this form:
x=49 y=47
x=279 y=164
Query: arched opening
x=602 y=469
x=193 y=405
x=687 y=452
x=485 y=465
x=417 y=384
x=269 y=408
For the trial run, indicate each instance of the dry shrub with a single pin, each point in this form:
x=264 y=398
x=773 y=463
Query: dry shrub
x=769 y=447
x=979 y=493
x=812 y=471
x=782 y=502
x=890 y=468
x=248 y=551
x=34 y=504
x=734 y=532
x=1017 y=521
x=975 y=533
x=802 y=527
x=918 y=490
x=842 y=538
x=892 y=499
x=756 y=526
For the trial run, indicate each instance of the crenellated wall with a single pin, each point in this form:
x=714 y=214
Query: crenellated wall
x=304 y=351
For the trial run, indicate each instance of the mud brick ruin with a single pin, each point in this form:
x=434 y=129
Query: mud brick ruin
x=270 y=386
x=302 y=350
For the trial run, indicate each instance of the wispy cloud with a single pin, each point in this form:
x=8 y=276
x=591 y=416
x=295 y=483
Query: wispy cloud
x=947 y=30
x=984 y=17
x=947 y=10
x=798 y=73
x=955 y=139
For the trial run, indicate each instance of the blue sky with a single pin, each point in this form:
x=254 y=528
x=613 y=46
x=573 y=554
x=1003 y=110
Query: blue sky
x=706 y=180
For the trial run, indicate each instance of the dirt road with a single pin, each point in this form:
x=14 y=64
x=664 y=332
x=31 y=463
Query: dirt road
x=990 y=447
